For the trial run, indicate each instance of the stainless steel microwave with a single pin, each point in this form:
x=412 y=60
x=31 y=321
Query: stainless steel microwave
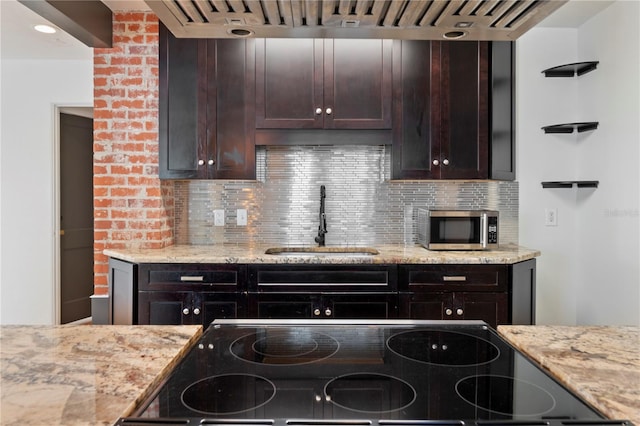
x=458 y=229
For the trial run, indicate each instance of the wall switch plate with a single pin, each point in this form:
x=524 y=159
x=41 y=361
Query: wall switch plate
x=241 y=217
x=551 y=217
x=218 y=217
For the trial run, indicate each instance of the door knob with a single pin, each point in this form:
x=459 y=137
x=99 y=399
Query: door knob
x=459 y=311
x=185 y=311
x=210 y=162
x=196 y=311
x=316 y=312
x=200 y=162
x=327 y=312
x=445 y=162
x=448 y=312
x=329 y=111
x=435 y=162
x=318 y=111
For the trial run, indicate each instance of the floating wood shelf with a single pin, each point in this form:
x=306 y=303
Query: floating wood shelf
x=571 y=127
x=571 y=70
x=571 y=183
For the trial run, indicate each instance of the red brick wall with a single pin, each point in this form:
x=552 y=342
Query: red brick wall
x=132 y=208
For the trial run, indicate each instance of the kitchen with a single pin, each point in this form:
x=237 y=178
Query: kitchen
x=570 y=276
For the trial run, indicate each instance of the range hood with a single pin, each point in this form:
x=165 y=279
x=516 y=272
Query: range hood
x=398 y=19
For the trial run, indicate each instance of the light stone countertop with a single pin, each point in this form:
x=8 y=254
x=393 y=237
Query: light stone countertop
x=84 y=374
x=389 y=254
x=601 y=364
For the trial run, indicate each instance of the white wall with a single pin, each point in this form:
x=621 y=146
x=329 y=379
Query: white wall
x=30 y=91
x=588 y=272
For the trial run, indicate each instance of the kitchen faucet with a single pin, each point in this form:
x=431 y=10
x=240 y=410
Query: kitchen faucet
x=322 y=227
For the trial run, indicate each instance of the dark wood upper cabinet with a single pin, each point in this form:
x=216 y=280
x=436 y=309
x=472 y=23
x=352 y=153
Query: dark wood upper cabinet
x=323 y=84
x=205 y=122
x=455 y=110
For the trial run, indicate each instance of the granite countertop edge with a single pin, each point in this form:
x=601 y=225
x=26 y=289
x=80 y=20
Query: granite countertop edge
x=601 y=364
x=255 y=254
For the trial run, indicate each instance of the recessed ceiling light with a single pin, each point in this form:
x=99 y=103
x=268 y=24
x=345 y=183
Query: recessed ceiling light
x=47 y=29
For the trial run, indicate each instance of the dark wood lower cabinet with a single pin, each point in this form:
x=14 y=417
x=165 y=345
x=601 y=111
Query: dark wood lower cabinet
x=202 y=293
x=187 y=307
x=492 y=308
x=319 y=306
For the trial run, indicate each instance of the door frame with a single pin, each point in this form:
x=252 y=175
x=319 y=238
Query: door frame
x=83 y=110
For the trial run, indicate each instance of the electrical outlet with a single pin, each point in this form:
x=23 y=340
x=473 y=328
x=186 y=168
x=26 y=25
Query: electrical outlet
x=551 y=217
x=241 y=217
x=218 y=217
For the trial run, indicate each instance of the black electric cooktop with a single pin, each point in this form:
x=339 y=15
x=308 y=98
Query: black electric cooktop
x=383 y=373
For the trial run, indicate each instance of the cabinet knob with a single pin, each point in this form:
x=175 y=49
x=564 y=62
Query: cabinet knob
x=316 y=312
x=200 y=162
x=327 y=312
x=185 y=311
x=435 y=162
x=329 y=111
x=448 y=312
x=318 y=111
x=459 y=311
x=210 y=162
x=445 y=162
x=196 y=311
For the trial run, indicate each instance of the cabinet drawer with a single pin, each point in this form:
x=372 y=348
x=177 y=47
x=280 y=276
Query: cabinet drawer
x=192 y=277
x=322 y=278
x=493 y=278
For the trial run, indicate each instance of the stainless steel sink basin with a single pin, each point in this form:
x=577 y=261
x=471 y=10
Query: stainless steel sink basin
x=323 y=251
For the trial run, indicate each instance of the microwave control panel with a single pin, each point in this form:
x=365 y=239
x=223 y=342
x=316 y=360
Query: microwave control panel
x=492 y=230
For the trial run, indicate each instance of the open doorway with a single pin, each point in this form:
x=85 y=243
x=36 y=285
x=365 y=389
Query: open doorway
x=75 y=214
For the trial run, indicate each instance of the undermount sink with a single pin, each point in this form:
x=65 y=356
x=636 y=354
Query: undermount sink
x=323 y=251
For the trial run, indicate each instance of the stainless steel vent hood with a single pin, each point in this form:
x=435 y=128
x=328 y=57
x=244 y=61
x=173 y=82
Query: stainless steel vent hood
x=399 y=19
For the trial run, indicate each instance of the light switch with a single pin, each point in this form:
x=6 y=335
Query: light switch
x=218 y=217
x=241 y=217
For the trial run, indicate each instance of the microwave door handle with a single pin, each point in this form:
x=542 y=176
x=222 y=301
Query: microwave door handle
x=484 y=230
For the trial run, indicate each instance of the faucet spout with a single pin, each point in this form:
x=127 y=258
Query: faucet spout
x=322 y=227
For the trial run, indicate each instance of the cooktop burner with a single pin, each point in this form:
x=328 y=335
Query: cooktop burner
x=284 y=347
x=443 y=347
x=224 y=394
x=332 y=373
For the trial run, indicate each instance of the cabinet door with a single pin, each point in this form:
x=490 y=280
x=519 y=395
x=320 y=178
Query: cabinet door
x=416 y=136
x=219 y=306
x=289 y=84
x=427 y=306
x=230 y=149
x=182 y=107
x=489 y=307
x=357 y=84
x=282 y=306
x=465 y=110
x=165 y=308
x=359 y=306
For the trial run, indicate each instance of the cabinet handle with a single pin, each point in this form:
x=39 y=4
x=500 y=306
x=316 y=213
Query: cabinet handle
x=454 y=278
x=200 y=162
x=316 y=312
x=327 y=312
x=185 y=311
x=445 y=162
x=318 y=111
x=210 y=162
x=329 y=111
x=196 y=311
x=459 y=311
x=448 y=312
x=191 y=278
x=435 y=162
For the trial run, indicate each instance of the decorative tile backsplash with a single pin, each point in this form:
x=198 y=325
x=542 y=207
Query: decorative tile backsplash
x=363 y=207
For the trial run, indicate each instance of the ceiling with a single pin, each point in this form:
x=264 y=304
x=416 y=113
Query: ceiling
x=18 y=40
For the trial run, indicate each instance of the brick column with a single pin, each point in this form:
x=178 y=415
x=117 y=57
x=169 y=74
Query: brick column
x=132 y=208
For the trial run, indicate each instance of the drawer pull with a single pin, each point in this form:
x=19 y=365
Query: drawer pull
x=191 y=278
x=454 y=278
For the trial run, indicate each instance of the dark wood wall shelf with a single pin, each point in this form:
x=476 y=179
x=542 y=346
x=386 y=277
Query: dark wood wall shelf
x=571 y=183
x=571 y=70
x=571 y=127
